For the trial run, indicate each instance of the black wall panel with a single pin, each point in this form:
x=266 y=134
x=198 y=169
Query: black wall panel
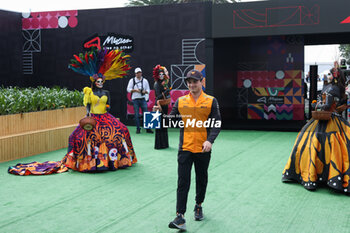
x=274 y=17
x=10 y=48
x=240 y=106
x=158 y=32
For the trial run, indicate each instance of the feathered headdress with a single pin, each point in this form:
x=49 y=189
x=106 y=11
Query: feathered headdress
x=105 y=64
x=156 y=70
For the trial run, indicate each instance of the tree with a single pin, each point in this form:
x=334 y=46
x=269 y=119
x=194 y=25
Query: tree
x=158 y=2
x=213 y=1
x=345 y=52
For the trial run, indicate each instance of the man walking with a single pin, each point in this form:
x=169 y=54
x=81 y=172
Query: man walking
x=202 y=122
x=139 y=89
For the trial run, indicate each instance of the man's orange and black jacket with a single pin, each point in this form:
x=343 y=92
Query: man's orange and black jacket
x=206 y=108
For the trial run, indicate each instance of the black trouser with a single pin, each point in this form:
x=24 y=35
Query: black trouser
x=161 y=136
x=185 y=159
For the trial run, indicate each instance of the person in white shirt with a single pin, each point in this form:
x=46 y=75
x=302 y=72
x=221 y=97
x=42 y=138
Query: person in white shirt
x=139 y=89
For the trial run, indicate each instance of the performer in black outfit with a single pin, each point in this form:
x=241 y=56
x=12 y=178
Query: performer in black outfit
x=162 y=92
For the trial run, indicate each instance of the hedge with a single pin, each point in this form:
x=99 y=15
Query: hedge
x=19 y=100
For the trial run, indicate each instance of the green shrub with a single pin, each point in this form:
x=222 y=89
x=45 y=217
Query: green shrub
x=18 y=100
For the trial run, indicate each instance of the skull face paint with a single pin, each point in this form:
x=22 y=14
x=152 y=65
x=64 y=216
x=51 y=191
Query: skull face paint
x=161 y=75
x=99 y=83
x=113 y=154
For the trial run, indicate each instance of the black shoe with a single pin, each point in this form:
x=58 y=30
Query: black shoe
x=138 y=131
x=178 y=223
x=311 y=186
x=149 y=131
x=198 y=213
x=285 y=179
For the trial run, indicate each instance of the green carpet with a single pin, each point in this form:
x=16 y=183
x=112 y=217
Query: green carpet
x=244 y=194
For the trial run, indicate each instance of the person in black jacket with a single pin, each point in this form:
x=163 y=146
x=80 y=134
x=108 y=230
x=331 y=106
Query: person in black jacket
x=162 y=93
x=195 y=144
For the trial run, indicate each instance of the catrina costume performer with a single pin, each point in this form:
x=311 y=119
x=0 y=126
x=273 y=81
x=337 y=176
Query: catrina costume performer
x=321 y=151
x=108 y=145
x=162 y=93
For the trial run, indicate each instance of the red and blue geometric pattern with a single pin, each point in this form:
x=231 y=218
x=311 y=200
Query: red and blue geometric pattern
x=256 y=111
x=50 y=20
x=284 y=112
x=270 y=112
x=259 y=79
x=263 y=86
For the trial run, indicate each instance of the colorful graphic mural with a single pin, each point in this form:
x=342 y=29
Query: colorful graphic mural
x=270 y=95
